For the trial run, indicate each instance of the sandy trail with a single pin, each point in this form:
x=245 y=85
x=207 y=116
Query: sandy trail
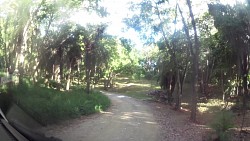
x=127 y=120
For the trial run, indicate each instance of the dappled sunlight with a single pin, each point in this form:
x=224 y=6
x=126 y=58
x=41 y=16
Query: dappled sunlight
x=121 y=85
x=121 y=96
x=107 y=113
x=213 y=105
x=201 y=125
x=125 y=117
x=150 y=122
x=135 y=115
x=244 y=128
x=122 y=78
x=185 y=107
x=133 y=87
x=106 y=93
x=128 y=82
x=202 y=109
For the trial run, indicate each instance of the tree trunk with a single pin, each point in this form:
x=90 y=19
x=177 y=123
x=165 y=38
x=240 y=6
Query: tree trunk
x=195 y=56
x=209 y=71
x=195 y=65
x=244 y=71
x=222 y=86
x=178 y=94
x=61 y=63
x=78 y=72
x=88 y=82
x=194 y=91
x=88 y=66
x=68 y=77
x=181 y=82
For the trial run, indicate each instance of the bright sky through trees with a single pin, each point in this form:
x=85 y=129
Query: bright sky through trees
x=117 y=10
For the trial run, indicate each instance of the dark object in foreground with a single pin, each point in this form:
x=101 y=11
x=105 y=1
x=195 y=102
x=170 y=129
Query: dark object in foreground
x=31 y=135
x=14 y=131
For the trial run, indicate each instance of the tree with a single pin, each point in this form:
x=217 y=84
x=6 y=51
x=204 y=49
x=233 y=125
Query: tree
x=93 y=50
x=233 y=26
x=153 y=21
x=36 y=40
x=195 y=57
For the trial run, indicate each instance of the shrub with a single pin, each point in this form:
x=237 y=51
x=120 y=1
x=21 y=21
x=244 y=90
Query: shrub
x=49 y=106
x=222 y=122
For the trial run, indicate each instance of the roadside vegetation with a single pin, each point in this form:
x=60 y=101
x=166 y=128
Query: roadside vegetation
x=136 y=88
x=49 y=106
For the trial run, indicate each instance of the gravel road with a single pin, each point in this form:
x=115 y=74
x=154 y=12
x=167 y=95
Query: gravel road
x=126 y=120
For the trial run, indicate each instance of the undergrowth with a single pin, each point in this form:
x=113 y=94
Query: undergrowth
x=133 y=87
x=49 y=106
x=222 y=122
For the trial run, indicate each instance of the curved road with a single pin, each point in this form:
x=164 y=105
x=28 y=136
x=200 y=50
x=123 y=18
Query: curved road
x=127 y=120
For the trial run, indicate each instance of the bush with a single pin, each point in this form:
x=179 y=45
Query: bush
x=49 y=106
x=222 y=122
x=131 y=69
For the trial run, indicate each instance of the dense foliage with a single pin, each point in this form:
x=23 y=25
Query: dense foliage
x=50 y=106
x=39 y=43
x=206 y=47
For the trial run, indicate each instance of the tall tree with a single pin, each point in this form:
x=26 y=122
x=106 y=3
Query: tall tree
x=195 y=57
x=233 y=26
x=154 y=20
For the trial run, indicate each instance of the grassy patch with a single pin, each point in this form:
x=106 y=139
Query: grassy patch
x=213 y=105
x=49 y=106
x=133 y=87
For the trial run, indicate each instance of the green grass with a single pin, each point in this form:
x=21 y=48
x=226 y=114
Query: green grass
x=49 y=106
x=133 y=87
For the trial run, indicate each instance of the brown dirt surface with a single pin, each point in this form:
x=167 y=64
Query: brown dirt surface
x=127 y=119
x=175 y=125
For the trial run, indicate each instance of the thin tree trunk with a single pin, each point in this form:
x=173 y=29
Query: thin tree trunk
x=195 y=56
x=182 y=78
x=88 y=67
x=195 y=65
x=245 y=70
x=78 y=72
x=5 y=48
x=61 y=63
x=222 y=85
x=88 y=82
x=178 y=93
x=68 y=78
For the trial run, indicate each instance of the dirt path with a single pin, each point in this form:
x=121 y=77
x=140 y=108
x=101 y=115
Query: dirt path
x=127 y=120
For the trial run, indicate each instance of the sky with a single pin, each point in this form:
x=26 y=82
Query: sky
x=118 y=10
